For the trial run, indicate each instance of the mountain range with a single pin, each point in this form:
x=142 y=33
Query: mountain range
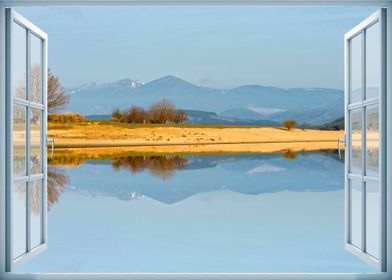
x=247 y=103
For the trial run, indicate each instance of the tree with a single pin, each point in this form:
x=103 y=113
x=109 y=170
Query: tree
x=116 y=115
x=181 y=117
x=290 y=124
x=133 y=115
x=137 y=115
x=126 y=116
x=162 y=111
x=57 y=99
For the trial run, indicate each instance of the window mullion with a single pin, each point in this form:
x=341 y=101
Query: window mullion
x=363 y=72
x=28 y=226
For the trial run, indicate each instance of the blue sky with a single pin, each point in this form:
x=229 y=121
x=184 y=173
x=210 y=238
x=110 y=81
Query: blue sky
x=219 y=47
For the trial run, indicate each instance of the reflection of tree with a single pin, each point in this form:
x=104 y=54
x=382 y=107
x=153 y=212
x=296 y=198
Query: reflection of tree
x=35 y=83
x=19 y=163
x=57 y=179
x=56 y=96
x=372 y=161
x=19 y=140
x=372 y=118
x=290 y=154
x=160 y=166
x=35 y=196
x=20 y=88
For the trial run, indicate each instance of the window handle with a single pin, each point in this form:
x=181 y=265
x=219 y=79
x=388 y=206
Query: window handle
x=51 y=140
x=340 y=140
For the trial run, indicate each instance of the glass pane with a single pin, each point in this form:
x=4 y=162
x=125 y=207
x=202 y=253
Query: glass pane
x=35 y=212
x=356 y=141
x=36 y=69
x=19 y=61
x=372 y=218
x=373 y=61
x=372 y=140
x=35 y=141
x=19 y=219
x=356 y=212
x=19 y=140
x=356 y=69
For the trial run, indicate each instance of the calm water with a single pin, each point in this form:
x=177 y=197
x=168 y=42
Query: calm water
x=210 y=213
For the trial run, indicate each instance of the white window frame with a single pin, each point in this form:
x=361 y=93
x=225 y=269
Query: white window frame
x=378 y=17
x=11 y=262
x=197 y=276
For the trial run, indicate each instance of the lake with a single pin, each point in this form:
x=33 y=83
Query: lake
x=280 y=212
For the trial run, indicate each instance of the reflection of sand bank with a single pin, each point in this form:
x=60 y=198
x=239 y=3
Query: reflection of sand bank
x=207 y=148
x=372 y=140
x=76 y=156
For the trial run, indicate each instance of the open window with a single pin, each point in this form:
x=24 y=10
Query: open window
x=365 y=165
x=365 y=113
x=26 y=144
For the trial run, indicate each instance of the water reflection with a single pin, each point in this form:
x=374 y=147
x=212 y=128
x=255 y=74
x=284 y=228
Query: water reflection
x=57 y=180
x=245 y=173
x=290 y=154
x=160 y=166
x=173 y=178
x=188 y=213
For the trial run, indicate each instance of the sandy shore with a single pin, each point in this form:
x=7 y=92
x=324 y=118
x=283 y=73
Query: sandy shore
x=191 y=139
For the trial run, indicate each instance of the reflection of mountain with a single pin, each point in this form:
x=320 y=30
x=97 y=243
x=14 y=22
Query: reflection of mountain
x=250 y=174
x=251 y=102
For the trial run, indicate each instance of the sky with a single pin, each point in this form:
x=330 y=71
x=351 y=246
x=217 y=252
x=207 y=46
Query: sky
x=220 y=47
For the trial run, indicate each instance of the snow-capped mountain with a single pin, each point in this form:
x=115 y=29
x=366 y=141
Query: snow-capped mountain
x=251 y=102
x=119 y=84
x=126 y=83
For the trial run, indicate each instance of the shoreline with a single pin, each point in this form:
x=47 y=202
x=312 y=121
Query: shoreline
x=188 y=139
x=75 y=156
x=266 y=148
x=91 y=144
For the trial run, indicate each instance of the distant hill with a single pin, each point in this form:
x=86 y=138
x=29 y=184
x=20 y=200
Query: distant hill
x=203 y=117
x=314 y=106
x=337 y=124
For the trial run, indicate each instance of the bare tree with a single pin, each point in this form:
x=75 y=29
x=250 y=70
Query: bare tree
x=162 y=111
x=137 y=114
x=57 y=98
x=133 y=115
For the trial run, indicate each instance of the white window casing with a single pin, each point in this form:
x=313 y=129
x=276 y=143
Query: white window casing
x=386 y=158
